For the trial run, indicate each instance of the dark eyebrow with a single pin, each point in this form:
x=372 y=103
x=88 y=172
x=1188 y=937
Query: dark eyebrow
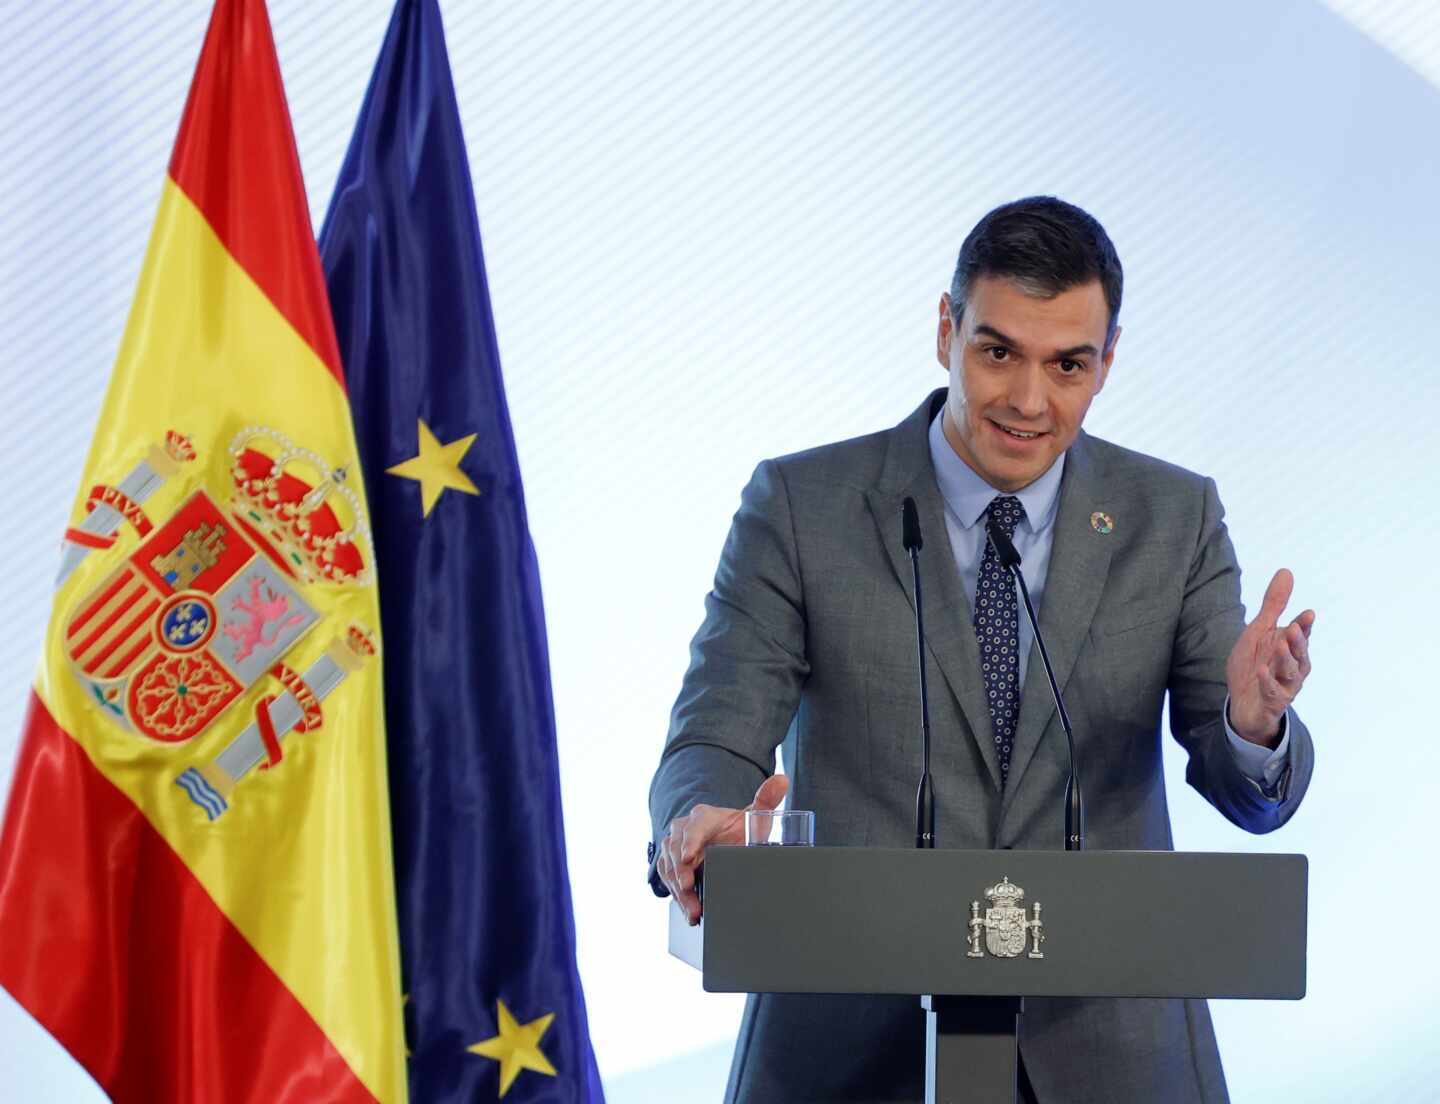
x=1063 y=354
x=1004 y=339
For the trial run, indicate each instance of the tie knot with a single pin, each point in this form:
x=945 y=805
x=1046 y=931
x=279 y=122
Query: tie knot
x=1006 y=511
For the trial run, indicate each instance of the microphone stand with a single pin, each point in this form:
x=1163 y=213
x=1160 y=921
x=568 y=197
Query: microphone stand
x=925 y=796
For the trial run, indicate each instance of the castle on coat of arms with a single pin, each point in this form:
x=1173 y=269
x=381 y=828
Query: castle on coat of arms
x=198 y=551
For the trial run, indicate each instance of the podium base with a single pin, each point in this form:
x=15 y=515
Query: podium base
x=970 y=1052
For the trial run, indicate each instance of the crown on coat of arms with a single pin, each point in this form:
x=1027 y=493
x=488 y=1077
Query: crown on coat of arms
x=1006 y=893
x=178 y=448
x=360 y=641
x=302 y=506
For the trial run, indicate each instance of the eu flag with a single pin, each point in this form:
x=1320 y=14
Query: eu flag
x=487 y=935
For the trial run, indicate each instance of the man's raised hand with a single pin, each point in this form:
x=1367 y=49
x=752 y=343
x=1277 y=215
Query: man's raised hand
x=683 y=848
x=1268 y=665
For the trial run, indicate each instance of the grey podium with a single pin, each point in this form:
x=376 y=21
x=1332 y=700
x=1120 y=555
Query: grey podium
x=972 y=933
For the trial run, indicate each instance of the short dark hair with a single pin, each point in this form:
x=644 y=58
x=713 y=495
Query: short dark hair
x=1046 y=246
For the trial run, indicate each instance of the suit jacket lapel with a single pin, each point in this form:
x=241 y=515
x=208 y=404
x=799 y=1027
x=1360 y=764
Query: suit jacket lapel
x=949 y=625
x=1079 y=563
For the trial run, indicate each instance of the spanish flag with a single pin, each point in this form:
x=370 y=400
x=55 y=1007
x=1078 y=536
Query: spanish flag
x=196 y=891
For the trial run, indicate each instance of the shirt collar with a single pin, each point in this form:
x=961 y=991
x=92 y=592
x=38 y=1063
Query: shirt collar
x=967 y=495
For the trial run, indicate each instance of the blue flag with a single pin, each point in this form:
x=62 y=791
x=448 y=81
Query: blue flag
x=487 y=936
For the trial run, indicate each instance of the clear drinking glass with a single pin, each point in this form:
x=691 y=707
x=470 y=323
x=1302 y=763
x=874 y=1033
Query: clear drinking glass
x=779 y=828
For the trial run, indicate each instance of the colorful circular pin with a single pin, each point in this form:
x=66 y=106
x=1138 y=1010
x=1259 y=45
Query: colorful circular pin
x=1102 y=523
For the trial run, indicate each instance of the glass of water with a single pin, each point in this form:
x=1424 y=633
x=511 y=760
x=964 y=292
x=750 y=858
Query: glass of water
x=779 y=828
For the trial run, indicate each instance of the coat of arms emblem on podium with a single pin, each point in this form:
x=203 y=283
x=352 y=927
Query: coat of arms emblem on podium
x=1005 y=926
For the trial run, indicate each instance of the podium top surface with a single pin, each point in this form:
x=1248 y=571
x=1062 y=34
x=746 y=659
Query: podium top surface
x=1115 y=923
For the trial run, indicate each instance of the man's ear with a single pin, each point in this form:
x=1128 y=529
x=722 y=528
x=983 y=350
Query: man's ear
x=1106 y=360
x=944 y=332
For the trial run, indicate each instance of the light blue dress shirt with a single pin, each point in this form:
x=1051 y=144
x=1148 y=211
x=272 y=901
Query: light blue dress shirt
x=966 y=498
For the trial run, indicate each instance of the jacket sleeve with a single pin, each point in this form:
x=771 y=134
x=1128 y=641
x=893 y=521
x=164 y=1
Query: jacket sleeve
x=747 y=667
x=1211 y=620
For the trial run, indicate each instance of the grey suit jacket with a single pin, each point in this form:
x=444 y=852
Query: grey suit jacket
x=809 y=638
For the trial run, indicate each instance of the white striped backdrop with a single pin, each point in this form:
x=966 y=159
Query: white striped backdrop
x=718 y=232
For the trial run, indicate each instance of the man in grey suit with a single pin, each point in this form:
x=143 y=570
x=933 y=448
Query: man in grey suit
x=808 y=644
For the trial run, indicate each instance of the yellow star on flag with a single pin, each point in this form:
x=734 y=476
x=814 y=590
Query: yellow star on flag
x=437 y=468
x=517 y=1047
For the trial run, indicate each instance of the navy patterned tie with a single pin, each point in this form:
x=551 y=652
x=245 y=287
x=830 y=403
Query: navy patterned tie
x=997 y=630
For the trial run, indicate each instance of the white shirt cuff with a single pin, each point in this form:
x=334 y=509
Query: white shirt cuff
x=1262 y=766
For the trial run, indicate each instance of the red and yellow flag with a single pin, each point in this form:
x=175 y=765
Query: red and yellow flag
x=196 y=895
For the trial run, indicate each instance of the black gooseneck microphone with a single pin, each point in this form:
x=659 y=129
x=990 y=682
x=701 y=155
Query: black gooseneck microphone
x=925 y=797
x=1074 y=807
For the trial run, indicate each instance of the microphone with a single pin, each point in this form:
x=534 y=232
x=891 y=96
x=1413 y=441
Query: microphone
x=1074 y=807
x=925 y=796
